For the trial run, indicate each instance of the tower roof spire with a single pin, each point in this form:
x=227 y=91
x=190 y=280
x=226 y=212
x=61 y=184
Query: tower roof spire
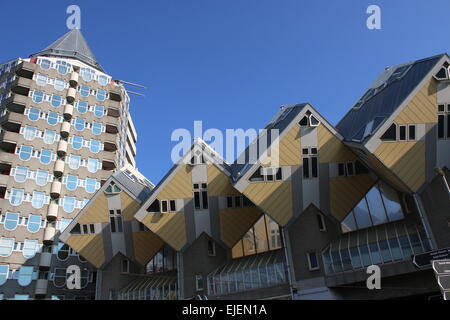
x=71 y=45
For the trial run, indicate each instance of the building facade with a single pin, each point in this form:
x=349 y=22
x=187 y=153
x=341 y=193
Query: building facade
x=65 y=127
x=371 y=191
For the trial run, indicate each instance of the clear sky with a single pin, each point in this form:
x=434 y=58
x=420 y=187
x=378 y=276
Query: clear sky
x=233 y=63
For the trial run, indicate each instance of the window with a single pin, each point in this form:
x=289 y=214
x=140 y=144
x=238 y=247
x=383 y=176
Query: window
x=60 y=84
x=11 y=221
x=71 y=183
x=211 y=248
x=46 y=156
x=95 y=146
x=116 y=221
x=102 y=80
x=4 y=273
x=309 y=121
x=390 y=134
x=77 y=142
x=313 y=264
x=93 y=165
x=310 y=163
x=41 y=80
x=125 y=266
x=25 y=153
x=199 y=282
x=321 y=222
x=6 y=246
x=101 y=95
x=34 y=114
x=62 y=67
x=39 y=199
x=30 y=247
x=38 y=96
x=25 y=276
x=53 y=118
x=74 y=162
x=29 y=133
x=97 y=128
x=87 y=74
x=20 y=174
x=56 y=101
x=63 y=251
x=34 y=223
x=79 y=124
x=113 y=189
x=69 y=204
x=16 y=197
x=82 y=107
x=63 y=224
x=444 y=121
x=85 y=91
x=200 y=196
x=49 y=137
x=99 y=111
x=42 y=177
x=91 y=185
x=45 y=64
x=267 y=175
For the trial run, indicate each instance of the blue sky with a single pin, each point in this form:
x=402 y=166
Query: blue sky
x=232 y=64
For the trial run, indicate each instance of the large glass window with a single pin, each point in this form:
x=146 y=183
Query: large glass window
x=25 y=276
x=63 y=224
x=77 y=142
x=6 y=246
x=39 y=199
x=93 y=165
x=53 y=118
x=72 y=183
x=4 y=273
x=95 y=146
x=38 y=96
x=60 y=84
x=45 y=64
x=30 y=247
x=79 y=124
x=91 y=185
x=34 y=223
x=69 y=204
x=99 y=111
x=101 y=95
x=29 y=133
x=85 y=91
x=41 y=80
x=21 y=174
x=11 y=221
x=25 y=153
x=56 y=101
x=62 y=67
x=16 y=197
x=102 y=80
x=87 y=74
x=34 y=114
x=74 y=162
x=42 y=177
x=46 y=156
x=49 y=137
x=97 y=128
x=82 y=107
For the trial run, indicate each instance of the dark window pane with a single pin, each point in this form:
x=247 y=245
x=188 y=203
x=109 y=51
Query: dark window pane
x=237 y=201
x=360 y=168
x=229 y=202
x=356 y=260
x=362 y=215
x=247 y=202
x=412 y=132
x=441 y=125
x=119 y=224
x=441 y=107
x=314 y=167
x=385 y=253
x=279 y=174
x=304 y=121
x=172 y=205
x=197 y=200
x=346 y=261
x=257 y=176
x=85 y=229
x=376 y=207
x=415 y=242
x=349 y=224
x=402 y=133
x=341 y=169
x=205 y=199
x=305 y=168
x=365 y=256
x=406 y=247
x=448 y=126
x=390 y=134
x=375 y=253
x=321 y=222
x=164 y=206
x=154 y=207
x=395 y=249
x=313 y=260
x=113 y=224
x=350 y=169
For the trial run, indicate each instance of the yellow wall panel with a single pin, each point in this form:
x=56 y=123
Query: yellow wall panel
x=234 y=223
x=287 y=149
x=97 y=211
x=146 y=246
x=219 y=184
x=331 y=149
x=129 y=206
x=274 y=198
x=170 y=227
x=179 y=187
x=89 y=247
x=346 y=192
x=422 y=108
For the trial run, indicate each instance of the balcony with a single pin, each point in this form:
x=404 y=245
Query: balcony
x=17 y=103
x=56 y=189
x=62 y=148
x=41 y=287
x=59 y=167
x=45 y=260
x=110 y=146
x=26 y=69
x=65 y=129
x=74 y=79
x=71 y=94
x=49 y=235
x=68 y=111
x=12 y=117
x=22 y=86
x=52 y=213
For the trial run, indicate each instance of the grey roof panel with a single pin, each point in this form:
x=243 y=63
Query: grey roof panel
x=71 y=45
x=140 y=191
x=387 y=100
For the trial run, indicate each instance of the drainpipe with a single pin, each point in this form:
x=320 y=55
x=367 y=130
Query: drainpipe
x=287 y=253
x=424 y=219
